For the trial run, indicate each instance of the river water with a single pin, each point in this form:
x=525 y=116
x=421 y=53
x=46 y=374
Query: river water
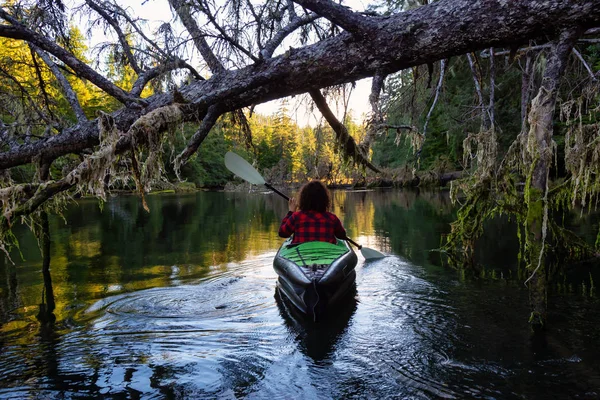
x=182 y=302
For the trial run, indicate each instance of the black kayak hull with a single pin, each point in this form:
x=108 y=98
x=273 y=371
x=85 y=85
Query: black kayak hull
x=315 y=288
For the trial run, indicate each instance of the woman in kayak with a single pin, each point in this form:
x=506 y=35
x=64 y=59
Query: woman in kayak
x=309 y=219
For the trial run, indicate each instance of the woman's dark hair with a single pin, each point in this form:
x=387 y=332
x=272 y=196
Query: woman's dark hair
x=314 y=196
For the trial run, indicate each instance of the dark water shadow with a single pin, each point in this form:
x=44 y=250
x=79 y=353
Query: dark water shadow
x=317 y=340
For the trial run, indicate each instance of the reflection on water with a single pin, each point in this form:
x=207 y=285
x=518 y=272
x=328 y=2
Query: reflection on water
x=317 y=340
x=182 y=303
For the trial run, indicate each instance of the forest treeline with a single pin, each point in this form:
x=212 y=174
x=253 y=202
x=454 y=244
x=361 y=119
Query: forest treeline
x=428 y=121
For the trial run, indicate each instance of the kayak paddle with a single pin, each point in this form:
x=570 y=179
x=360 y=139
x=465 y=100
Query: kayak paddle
x=247 y=172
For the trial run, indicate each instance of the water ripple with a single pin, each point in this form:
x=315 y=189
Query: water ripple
x=233 y=335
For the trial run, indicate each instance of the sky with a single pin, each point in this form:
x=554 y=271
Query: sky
x=156 y=11
x=358 y=104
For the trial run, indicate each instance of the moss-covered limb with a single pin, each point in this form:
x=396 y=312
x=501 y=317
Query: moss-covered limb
x=34 y=220
x=541 y=115
x=483 y=200
x=484 y=157
x=8 y=240
x=566 y=245
x=479 y=205
x=560 y=193
x=135 y=169
x=96 y=172
x=43 y=193
x=560 y=198
x=504 y=199
x=89 y=175
x=9 y=195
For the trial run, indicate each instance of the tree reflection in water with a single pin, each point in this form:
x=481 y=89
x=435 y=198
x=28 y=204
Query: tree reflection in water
x=46 y=307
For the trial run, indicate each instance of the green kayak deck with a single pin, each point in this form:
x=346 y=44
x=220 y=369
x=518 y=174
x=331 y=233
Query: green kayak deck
x=309 y=253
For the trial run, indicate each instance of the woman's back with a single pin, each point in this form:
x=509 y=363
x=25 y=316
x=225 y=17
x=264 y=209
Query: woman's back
x=312 y=222
x=308 y=226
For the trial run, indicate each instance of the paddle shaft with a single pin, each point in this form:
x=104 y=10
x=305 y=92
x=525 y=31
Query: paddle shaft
x=358 y=246
x=277 y=191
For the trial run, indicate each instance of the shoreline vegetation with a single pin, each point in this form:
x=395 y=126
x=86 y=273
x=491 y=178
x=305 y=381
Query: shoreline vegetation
x=427 y=179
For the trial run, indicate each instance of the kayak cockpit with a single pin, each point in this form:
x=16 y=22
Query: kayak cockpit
x=315 y=276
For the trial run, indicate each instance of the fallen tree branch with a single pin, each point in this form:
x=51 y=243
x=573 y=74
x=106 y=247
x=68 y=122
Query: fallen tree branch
x=346 y=142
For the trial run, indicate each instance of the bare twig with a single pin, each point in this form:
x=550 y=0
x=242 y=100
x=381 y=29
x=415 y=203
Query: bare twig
x=397 y=127
x=226 y=36
x=585 y=64
x=477 y=81
x=343 y=16
x=592 y=31
x=294 y=24
x=147 y=76
x=526 y=87
x=491 y=107
x=377 y=118
x=41 y=82
x=119 y=10
x=25 y=93
x=486 y=54
x=438 y=90
x=70 y=94
x=196 y=140
x=122 y=39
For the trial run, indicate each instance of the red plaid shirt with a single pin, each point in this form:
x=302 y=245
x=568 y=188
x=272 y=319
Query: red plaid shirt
x=308 y=226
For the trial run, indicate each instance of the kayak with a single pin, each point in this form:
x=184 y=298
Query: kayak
x=315 y=276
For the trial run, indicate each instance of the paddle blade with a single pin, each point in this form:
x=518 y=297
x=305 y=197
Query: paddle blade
x=370 y=254
x=243 y=169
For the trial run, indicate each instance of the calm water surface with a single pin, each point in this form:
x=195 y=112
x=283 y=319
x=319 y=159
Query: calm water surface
x=182 y=303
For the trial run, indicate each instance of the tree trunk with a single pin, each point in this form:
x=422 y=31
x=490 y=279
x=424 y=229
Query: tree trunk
x=539 y=151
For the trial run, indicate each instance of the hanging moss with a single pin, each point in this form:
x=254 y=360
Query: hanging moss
x=8 y=241
x=95 y=174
